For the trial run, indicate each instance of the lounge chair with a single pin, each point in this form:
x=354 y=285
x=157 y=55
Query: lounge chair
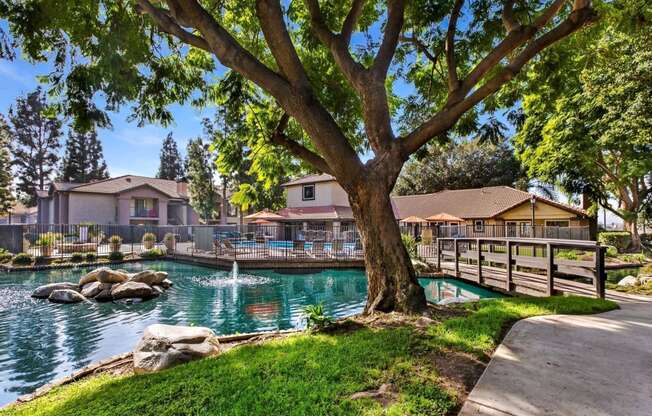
x=298 y=248
x=317 y=250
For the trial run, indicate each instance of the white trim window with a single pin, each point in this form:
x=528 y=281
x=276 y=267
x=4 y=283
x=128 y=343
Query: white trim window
x=478 y=226
x=558 y=223
x=308 y=192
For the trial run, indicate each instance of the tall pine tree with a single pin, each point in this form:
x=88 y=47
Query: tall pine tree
x=171 y=166
x=200 y=179
x=6 y=196
x=84 y=159
x=35 y=144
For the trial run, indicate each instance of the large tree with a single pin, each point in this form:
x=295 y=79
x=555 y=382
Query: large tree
x=35 y=144
x=170 y=165
x=84 y=159
x=460 y=166
x=6 y=178
x=595 y=135
x=201 y=187
x=329 y=71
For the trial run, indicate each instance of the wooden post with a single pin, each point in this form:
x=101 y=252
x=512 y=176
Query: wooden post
x=479 y=244
x=508 y=284
x=457 y=258
x=550 y=270
x=600 y=274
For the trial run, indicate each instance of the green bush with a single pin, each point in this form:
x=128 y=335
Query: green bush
x=44 y=260
x=22 y=259
x=152 y=253
x=48 y=239
x=77 y=257
x=5 y=256
x=149 y=237
x=116 y=256
x=91 y=257
x=619 y=239
x=634 y=258
x=567 y=254
x=410 y=245
x=316 y=317
x=611 y=251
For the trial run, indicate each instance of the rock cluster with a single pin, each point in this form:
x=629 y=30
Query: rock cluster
x=163 y=346
x=105 y=285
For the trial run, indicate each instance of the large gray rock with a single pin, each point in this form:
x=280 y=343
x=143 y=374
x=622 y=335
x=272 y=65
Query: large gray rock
x=628 y=281
x=149 y=277
x=93 y=289
x=66 y=296
x=105 y=295
x=91 y=276
x=163 y=346
x=166 y=284
x=132 y=290
x=43 y=292
x=107 y=275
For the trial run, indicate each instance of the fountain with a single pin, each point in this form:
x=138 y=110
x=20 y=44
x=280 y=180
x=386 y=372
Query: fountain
x=234 y=271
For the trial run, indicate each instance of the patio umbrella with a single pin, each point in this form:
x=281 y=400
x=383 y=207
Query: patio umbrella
x=444 y=217
x=265 y=214
x=413 y=220
x=261 y=221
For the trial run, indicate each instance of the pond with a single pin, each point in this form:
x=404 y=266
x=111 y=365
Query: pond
x=41 y=341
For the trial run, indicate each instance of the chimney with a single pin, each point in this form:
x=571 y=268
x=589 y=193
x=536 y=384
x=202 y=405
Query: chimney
x=182 y=188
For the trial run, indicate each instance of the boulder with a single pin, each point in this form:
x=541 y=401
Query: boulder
x=91 y=276
x=105 y=294
x=158 y=289
x=43 y=292
x=628 y=281
x=132 y=290
x=107 y=275
x=92 y=289
x=163 y=346
x=166 y=284
x=149 y=277
x=66 y=296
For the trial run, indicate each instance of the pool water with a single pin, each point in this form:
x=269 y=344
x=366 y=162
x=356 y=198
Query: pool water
x=288 y=245
x=41 y=341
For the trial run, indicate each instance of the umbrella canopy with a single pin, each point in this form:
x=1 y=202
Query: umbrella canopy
x=261 y=221
x=413 y=220
x=264 y=215
x=445 y=217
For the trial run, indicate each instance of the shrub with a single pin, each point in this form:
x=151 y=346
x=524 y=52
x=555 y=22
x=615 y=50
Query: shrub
x=48 y=239
x=646 y=270
x=619 y=239
x=316 y=317
x=22 y=259
x=5 y=256
x=410 y=245
x=611 y=251
x=150 y=237
x=115 y=239
x=116 y=256
x=77 y=257
x=634 y=258
x=152 y=253
x=44 y=260
x=567 y=254
x=91 y=257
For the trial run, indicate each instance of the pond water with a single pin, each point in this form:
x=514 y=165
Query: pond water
x=41 y=341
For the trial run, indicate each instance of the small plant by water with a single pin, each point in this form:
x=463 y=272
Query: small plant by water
x=22 y=259
x=316 y=317
x=154 y=253
x=116 y=256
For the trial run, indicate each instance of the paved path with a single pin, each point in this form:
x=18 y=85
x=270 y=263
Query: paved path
x=571 y=366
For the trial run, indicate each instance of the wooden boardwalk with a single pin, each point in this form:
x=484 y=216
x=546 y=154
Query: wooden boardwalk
x=529 y=266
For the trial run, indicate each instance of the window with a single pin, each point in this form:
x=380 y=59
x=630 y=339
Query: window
x=558 y=223
x=478 y=226
x=308 y=192
x=143 y=208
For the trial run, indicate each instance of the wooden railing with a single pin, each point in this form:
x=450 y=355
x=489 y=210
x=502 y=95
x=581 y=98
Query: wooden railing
x=532 y=266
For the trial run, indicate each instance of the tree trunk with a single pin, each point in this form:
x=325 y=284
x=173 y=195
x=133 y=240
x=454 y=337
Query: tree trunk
x=392 y=283
x=223 y=206
x=632 y=227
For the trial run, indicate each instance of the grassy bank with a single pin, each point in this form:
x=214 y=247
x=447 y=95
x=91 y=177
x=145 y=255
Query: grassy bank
x=317 y=374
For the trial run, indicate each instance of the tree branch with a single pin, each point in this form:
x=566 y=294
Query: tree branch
x=351 y=20
x=393 y=28
x=275 y=31
x=279 y=138
x=446 y=118
x=166 y=24
x=509 y=21
x=453 y=81
x=421 y=47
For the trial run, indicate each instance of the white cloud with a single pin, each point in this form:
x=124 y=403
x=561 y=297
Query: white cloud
x=9 y=71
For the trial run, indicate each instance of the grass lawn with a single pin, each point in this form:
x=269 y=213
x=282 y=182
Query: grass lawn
x=316 y=374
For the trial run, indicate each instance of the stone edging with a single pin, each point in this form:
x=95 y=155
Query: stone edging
x=127 y=357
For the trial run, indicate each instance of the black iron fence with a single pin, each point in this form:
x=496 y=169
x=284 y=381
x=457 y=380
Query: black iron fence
x=249 y=241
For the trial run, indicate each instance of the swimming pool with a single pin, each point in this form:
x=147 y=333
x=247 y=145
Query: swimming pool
x=41 y=341
x=288 y=245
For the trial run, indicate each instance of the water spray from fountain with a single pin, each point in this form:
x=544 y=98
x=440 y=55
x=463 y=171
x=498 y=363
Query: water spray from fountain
x=234 y=271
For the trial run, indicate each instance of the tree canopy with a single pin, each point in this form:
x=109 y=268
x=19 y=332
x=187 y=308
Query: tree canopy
x=171 y=164
x=593 y=134
x=6 y=178
x=201 y=188
x=84 y=159
x=460 y=166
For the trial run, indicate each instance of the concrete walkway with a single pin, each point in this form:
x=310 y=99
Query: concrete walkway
x=571 y=366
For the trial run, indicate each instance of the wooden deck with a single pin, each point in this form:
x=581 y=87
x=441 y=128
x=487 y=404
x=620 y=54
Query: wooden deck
x=529 y=266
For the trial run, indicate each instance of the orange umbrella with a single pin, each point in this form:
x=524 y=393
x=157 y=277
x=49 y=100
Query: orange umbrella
x=413 y=220
x=265 y=214
x=261 y=221
x=445 y=217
